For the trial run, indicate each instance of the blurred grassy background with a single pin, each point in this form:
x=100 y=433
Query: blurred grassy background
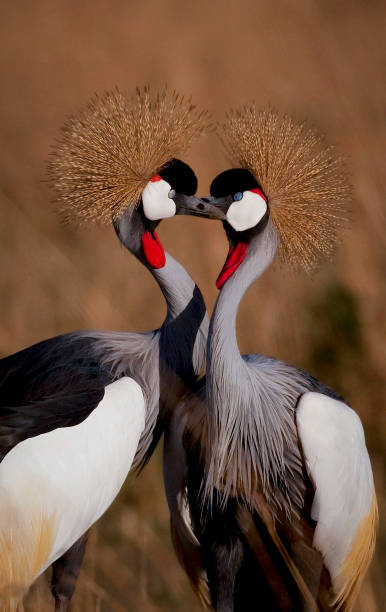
x=323 y=60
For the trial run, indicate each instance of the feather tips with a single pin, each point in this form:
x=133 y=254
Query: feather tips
x=106 y=154
x=305 y=182
x=354 y=568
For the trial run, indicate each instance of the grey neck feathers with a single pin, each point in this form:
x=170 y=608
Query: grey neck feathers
x=181 y=346
x=184 y=332
x=223 y=355
x=249 y=416
x=176 y=285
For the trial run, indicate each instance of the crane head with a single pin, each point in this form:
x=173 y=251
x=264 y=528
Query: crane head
x=169 y=192
x=304 y=179
x=116 y=161
x=238 y=201
x=111 y=152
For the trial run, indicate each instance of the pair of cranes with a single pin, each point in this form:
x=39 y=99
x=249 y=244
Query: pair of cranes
x=266 y=471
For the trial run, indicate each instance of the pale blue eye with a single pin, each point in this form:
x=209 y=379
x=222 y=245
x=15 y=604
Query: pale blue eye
x=238 y=196
x=172 y=193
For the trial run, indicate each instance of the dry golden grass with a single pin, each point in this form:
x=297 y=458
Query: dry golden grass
x=317 y=60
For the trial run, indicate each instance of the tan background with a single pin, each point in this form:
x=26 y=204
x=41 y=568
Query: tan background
x=320 y=60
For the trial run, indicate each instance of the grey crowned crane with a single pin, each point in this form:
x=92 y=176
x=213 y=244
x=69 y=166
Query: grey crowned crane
x=274 y=505
x=80 y=410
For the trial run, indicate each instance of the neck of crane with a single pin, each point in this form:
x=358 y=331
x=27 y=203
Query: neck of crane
x=177 y=287
x=231 y=389
x=174 y=281
x=222 y=350
x=186 y=321
x=176 y=351
x=181 y=341
x=185 y=328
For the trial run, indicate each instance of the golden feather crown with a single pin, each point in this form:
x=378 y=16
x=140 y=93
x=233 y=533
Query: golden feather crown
x=304 y=180
x=107 y=153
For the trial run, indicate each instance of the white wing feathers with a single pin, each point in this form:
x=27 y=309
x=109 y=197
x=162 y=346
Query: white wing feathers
x=344 y=505
x=54 y=486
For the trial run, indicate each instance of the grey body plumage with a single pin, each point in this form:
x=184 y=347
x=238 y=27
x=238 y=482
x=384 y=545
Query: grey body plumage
x=59 y=382
x=115 y=160
x=242 y=462
x=251 y=430
x=243 y=519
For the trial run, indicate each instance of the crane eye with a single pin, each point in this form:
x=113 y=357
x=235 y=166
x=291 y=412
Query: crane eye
x=172 y=193
x=238 y=196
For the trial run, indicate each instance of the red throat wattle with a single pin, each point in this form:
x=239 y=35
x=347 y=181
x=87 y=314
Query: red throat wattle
x=153 y=249
x=234 y=258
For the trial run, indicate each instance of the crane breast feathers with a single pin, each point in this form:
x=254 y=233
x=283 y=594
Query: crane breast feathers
x=344 y=506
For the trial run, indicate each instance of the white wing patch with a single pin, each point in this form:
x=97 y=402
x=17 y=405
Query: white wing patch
x=344 y=505
x=54 y=486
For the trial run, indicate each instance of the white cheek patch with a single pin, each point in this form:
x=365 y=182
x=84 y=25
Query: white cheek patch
x=156 y=201
x=246 y=213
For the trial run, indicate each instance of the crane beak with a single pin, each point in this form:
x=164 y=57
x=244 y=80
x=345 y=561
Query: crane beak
x=208 y=207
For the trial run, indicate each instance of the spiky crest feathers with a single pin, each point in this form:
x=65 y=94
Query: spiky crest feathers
x=304 y=179
x=106 y=154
